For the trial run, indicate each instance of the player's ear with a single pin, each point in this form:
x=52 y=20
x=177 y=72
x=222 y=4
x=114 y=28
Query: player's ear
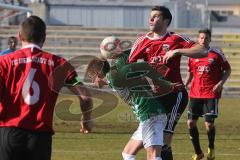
x=20 y=37
x=167 y=22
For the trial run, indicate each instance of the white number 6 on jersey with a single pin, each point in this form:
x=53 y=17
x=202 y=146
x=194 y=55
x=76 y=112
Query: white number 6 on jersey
x=29 y=84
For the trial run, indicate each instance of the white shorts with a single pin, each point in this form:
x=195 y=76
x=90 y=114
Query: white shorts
x=151 y=131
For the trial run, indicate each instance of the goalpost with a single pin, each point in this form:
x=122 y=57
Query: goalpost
x=14 y=10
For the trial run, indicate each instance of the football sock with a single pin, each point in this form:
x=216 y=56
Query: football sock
x=194 y=136
x=166 y=153
x=157 y=158
x=211 y=137
x=128 y=156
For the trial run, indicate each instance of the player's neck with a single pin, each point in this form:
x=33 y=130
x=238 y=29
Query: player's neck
x=26 y=44
x=155 y=35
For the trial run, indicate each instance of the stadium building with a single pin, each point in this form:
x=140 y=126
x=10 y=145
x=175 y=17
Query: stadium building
x=76 y=27
x=132 y=13
x=112 y=13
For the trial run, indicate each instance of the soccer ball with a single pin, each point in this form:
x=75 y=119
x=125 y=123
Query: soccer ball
x=109 y=46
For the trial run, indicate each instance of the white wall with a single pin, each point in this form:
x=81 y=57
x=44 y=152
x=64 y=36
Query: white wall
x=120 y=16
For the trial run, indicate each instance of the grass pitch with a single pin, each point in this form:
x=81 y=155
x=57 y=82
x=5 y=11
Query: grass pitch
x=114 y=128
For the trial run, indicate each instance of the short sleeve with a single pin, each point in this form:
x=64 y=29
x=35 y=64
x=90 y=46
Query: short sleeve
x=185 y=42
x=138 y=50
x=224 y=62
x=71 y=77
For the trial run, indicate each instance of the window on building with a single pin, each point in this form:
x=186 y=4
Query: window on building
x=224 y=13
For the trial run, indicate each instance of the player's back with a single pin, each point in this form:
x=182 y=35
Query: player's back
x=30 y=82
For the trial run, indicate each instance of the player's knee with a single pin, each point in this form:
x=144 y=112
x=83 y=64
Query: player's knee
x=209 y=125
x=153 y=152
x=128 y=156
x=167 y=138
x=154 y=158
x=191 y=123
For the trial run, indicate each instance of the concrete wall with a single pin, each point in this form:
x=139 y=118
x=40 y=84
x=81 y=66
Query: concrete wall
x=100 y=16
x=121 y=16
x=118 y=14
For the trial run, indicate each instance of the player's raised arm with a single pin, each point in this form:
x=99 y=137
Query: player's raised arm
x=197 y=51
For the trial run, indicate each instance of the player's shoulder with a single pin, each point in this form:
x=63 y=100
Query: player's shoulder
x=54 y=56
x=140 y=38
x=7 y=60
x=176 y=36
x=218 y=52
x=142 y=35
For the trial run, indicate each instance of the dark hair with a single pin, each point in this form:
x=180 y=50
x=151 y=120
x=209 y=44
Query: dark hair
x=98 y=65
x=106 y=67
x=33 y=30
x=12 y=38
x=166 y=14
x=206 y=31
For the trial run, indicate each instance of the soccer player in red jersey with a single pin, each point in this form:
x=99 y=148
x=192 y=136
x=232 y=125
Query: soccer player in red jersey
x=162 y=47
x=207 y=76
x=30 y=80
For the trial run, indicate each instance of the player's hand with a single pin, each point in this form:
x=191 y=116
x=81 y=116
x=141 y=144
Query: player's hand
x=85 y=126
x=169 y=55
x=187 y=87
x=178 y=87
x=218 y=87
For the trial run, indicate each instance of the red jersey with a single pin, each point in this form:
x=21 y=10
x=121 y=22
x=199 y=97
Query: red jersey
x=27 y=93
x=207 y=73
x=153 y=50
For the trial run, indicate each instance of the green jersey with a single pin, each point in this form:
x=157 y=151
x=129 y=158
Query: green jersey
x=126 y=80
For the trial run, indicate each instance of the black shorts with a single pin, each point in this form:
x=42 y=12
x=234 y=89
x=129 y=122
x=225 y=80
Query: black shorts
x=203 y=107
x=20 y=144
x=175 y=104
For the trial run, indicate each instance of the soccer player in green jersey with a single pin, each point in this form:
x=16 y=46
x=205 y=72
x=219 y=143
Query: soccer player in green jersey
x=137 y=84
